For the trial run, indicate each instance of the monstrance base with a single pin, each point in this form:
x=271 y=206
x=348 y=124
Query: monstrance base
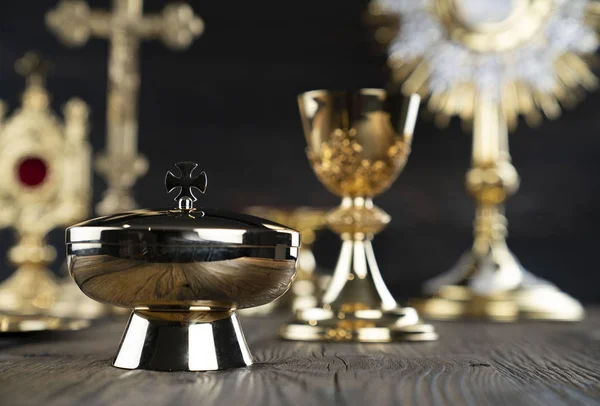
x=455 y=295
x=368 y=326
x=182 y=341
x=529 y=303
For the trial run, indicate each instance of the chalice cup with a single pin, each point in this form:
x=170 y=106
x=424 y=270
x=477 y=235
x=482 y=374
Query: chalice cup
x=358 y=143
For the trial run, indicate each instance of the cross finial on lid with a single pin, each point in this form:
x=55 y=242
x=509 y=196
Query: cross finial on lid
x=185 y=183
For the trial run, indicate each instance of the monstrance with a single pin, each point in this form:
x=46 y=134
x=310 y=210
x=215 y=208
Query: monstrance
x=488 y=62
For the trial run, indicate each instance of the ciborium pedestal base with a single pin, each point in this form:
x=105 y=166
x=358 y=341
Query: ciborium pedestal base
x=182 y=341
x=495 y=288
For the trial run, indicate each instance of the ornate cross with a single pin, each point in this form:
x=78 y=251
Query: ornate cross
x=74 y=22
x=186 y=182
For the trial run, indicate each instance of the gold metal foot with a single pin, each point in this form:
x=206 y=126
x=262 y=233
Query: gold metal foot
x=498 y=290
x=375 y=326
x=176 y=341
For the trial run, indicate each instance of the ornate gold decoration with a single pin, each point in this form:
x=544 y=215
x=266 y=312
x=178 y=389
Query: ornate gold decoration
x=308 y=285
x=74 y=23
x=47 y=180
x=489 y=62
x=526 y=55
x=357 y=153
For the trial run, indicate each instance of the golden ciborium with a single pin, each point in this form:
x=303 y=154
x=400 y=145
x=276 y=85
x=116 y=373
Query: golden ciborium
x=307 y=286
x=357 y=152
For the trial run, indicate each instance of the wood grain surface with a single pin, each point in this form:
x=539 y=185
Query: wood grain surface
x=474 y=363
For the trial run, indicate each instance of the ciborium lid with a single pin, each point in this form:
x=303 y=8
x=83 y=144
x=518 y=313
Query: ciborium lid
x=185 y=226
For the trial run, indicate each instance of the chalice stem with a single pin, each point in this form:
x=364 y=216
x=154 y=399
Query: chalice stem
x=357 y=283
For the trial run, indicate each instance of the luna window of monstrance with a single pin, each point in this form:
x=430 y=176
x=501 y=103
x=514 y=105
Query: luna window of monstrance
x=488 y=62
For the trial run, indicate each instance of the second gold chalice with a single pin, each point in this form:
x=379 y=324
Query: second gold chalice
x=357 y=148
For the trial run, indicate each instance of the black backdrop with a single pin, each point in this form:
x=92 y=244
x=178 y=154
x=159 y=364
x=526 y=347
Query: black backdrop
x=229 y=103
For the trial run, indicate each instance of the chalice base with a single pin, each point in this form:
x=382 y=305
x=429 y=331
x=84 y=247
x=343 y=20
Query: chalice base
x=368 y=326
x=182 y=341
x=519 y=295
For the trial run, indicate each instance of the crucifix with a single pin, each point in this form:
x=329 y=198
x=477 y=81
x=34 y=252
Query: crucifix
x=125 y=27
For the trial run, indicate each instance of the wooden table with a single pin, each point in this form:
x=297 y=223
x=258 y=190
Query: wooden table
x=474 y=363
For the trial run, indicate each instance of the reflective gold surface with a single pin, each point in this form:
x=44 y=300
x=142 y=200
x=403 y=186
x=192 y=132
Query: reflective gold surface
x=184 y=272
x=231 y=284
x=58 y=197
x=357 y=146
x=308 y=285
x=125 y=27
x=172 y=345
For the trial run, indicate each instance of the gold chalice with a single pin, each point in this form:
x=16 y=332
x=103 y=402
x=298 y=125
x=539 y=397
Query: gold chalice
x=357 y=153
x=307 y=286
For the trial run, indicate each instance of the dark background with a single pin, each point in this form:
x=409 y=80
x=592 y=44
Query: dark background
x=229 y=103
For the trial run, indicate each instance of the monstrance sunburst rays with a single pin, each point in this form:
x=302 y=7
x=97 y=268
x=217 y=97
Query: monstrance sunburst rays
x=530 y=66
